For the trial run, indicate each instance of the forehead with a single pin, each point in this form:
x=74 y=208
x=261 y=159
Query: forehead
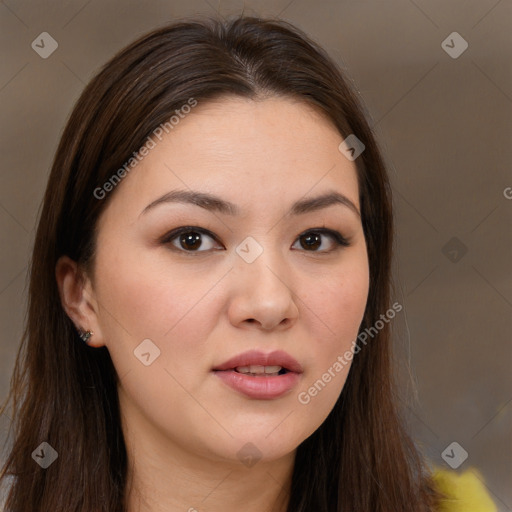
x=269 y=151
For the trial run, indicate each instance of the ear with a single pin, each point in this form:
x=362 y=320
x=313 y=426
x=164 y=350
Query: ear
x=78 y=299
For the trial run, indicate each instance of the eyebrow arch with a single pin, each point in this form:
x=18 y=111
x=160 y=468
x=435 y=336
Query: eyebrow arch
x=214 y=203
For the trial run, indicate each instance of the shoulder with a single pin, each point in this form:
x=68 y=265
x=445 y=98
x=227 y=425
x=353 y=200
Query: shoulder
x=464 y=492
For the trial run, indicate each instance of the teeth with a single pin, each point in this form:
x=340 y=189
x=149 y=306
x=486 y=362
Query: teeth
x=256 y=369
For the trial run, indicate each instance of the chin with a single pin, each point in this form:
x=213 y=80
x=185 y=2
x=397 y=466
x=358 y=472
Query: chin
x=254 y=445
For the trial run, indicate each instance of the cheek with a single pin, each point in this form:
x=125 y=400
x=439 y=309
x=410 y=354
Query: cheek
x=176 y=312
x=338 y=301
x=336 y=310
x=146 y=300
x=344 y=307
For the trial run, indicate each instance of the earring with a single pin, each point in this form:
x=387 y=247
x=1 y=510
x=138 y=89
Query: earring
x=85 y=335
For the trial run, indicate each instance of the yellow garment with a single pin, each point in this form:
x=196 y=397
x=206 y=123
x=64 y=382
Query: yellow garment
x=465 y=492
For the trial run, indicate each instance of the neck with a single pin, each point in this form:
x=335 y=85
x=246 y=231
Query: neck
x=166 y=476
x=171 y=483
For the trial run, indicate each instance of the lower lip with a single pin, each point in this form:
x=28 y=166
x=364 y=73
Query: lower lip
x=260 y=388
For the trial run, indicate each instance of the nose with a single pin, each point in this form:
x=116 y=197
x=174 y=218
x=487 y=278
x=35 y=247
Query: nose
x=263 y=294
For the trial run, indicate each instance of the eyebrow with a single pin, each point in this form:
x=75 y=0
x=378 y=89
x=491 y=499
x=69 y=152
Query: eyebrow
x=211 y=202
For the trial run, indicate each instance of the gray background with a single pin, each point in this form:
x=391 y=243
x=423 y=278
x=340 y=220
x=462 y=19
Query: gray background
x=444 y=125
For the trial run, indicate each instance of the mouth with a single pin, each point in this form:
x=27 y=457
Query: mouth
x=261 y=371
x=260 y=376
x=261 y=363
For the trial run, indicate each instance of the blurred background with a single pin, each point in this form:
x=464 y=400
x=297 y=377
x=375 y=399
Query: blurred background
x=436 y=80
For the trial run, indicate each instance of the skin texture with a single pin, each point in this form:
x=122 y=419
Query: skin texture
x=183 y=426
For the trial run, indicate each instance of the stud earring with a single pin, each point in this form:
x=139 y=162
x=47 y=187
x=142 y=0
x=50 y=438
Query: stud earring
x=85 y=335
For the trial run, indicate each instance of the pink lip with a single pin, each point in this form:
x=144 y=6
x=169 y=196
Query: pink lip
x=260 y=388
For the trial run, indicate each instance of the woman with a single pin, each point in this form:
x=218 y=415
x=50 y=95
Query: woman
x=217 y=229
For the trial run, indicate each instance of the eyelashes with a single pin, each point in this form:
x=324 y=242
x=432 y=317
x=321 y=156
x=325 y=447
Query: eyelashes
x=190 y=240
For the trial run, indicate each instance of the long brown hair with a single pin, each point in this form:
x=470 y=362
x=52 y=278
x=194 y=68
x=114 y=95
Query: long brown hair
x=64 y=392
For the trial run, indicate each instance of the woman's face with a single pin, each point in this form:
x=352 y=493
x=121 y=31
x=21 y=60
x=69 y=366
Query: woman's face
x=173 y=308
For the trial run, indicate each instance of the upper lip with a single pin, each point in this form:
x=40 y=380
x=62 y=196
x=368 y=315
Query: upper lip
x=256 y=357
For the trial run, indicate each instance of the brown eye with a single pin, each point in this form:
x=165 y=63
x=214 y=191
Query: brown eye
x=190 y=239
x=312 y=240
